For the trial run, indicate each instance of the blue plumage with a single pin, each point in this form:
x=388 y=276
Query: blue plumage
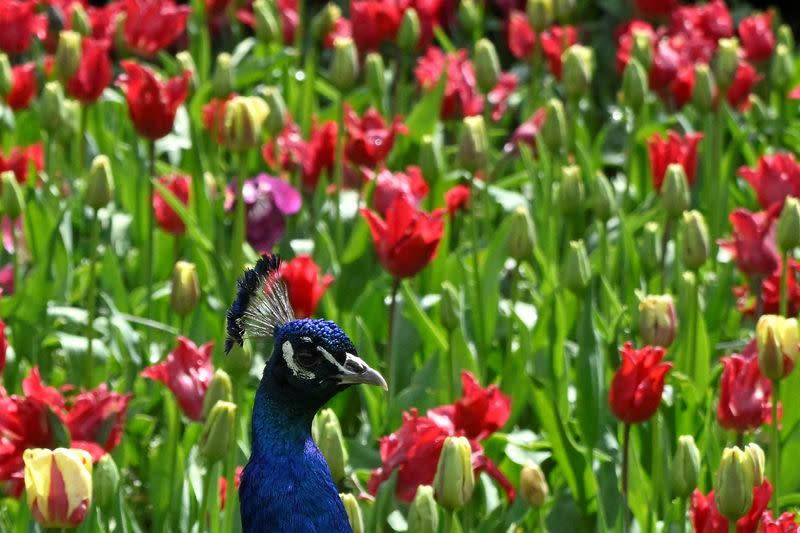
x=287 y=485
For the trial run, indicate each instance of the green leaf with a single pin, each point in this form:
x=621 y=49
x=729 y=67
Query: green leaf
x=424 y=116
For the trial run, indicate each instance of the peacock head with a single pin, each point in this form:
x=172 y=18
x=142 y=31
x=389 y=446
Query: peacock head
x=312 y=359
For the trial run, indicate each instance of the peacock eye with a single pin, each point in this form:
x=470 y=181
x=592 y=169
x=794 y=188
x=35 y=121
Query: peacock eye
x=305 y=359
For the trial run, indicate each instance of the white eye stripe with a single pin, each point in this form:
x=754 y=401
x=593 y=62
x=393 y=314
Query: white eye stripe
x=327 y=355
x=288 y=356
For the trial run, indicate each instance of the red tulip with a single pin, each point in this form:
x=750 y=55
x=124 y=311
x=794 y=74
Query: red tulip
x=527 y=132
x=389 y=185
x=744 y=393
x=153 y=25
x=289 y=18
x=406 y=241
x=500 y=93
x=457 y=199
x=152 y=104
x=555 y=41
x=165 y=216
x=711 y=21
x=104 y=20
x=674 y=149
x=625 y=37
x=374 y=22
x=19 y=161
x=521 y=37
x=638 y=383
x=431 y=13
x=753 y=242
x=312 y=157
x=305 y=285
x=93 y=420
x=785 y=523
x=214 y=117
x=414 y=449
x=23 y=86
x=18 y=24
x=667 y=61
x=461 y=97
x=771 y=293
x=706 y=518
x=223 y=486
x=369 y=139
x=187 y=372
x=93 y=74
x=682 y=86
x=776 y=177
x=655 y=8
x=758 y=41
x=744 y=80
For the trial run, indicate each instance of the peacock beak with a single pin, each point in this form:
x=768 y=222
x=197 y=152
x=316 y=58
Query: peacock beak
x=356 y=371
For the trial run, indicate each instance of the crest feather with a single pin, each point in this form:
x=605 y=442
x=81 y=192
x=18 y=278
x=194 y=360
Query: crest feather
x=261 y=305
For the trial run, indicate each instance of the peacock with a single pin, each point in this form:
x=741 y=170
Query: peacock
x=286 y=485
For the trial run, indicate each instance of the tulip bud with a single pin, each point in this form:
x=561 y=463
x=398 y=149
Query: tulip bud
x=782 y=71
x=675 y=191
x=185 y=288
x=554 y=128
x=758 y=461
x=522 y=236
x=409 y=32
x=604 y=203
x=430 y=159
x=450 y=310
x=344 y=65
x=685 y=467
x=278 y=115
x=375 y=72
x=778 y=342
x=423 y=515
x=13 y=201
x=634 y=85
x=687 y=286
x=571 y=191
x=695 y=243
x=238 y=361
x=220 y=389
x=51 y=105
x=353 y=512
x=218 y=431
x=469 y=16
x=70 y=116
x=727 y=61
x=100 y=183
x=563 y=9
x=734 y=486
x=454 y=480
x=705 y=89
x=487 y=65
x=265 y=23
x=105 y=483
x=222 y=84
x=650 y=247
x=331 y=443
x=787 y=231
x=657 y=320
x=324 y=21
x=186 y=62
x=120 y=44
x=533 y=484
x=540 y=14
x=244 y=120
x=642 y=49
x=80 y=20
x=473 y=146
x=6 y=78
x=576 y=271
x=58 y=504
x=68 y=54
x=785 y=36
x=578 y=70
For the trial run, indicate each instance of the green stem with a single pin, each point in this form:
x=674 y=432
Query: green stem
x=339 y=173
x=82 y=139
x=477 y=315
x=150 y=237
x=239 y=224
x=399 y=84
x=208 y=486
x=230 y=467
x=682 y=515
x=631 y=159
x=625 y=451
x=664 y=249
x=731 y=526
x=307 y=95
x=17 y=257
x=390 y=355
x=785 y=285
x=776 y=447
x=451 y=368
x=91 y=300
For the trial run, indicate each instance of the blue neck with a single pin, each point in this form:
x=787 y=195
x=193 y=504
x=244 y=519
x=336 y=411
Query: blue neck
x=278 y=425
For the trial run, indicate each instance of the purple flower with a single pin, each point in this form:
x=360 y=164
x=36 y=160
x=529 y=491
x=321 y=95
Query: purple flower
x=267 y=201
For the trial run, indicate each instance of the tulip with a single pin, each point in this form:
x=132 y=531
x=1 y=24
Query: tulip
x=220 y=389
x=744 y=393
x=185 y=291
x=734 y=484
x=265 y=23
x=634 y=85
x=243 y=122
x=430 y=159
x=100 y=183
x=325 y=21
x=636 y=388
x=778 y=344
x=695 y=243
x=685 y=467
x=105 y=483
x=782 y=71
x=758 y=40
x=369 y=137
x=278 y=116
x=409 y=33
x=375 y=74
x=521 y=37
x=727 y=61
x=674 y=149
x=223 y=81
x=305 y=284
x=344 y=64
x=461 y=96
x=328 y=436
x=578 y=70
x=522 y=236
x=454 y=480
x=450 y=310
x=469 y=16
x=705 y=88
x=423 y=515
x=68 y=54
x=457 y=199
x=675 y=195
x=533 y=484
x=219 y=431
x=571 y=191
x=238 y=361
x=787 y=231
x=58 y=484
x=166 y=217
x=576 y=270
x=80 y=20
x=6 y=80
x=152 y=104
x=93 y=73
x=604 y=202
x=13 y=200
x=23 y=86
x=153 y=25
x=758 y=462
x=554 y=128
x=353 y=511
x=650 y=248
x=657 y=320
x=487 y=65
x=473 y=146
x=540 y=13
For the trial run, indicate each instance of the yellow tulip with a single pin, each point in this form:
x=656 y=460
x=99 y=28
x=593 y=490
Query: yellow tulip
x=58 y=484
